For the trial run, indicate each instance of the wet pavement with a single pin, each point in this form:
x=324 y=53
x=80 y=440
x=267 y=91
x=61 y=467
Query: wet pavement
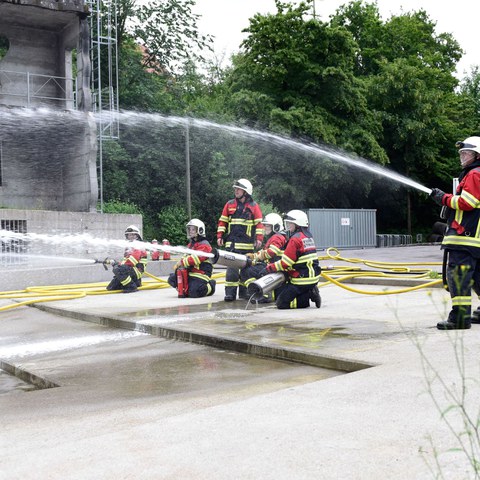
x=147 y=385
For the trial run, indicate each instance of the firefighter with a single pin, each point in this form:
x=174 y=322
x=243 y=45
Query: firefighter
x=128 y=272
x=155 y=254
x=239 y=230
x=300 y=264
x=194 y=271
x=275 y=241
x=461 y=241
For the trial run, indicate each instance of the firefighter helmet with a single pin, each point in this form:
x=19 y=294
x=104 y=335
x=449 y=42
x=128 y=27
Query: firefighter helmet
x=133 y=229
x=470 y=143
x=297 y=217
x=275 y=220
x=199 y=225
x=244 y=184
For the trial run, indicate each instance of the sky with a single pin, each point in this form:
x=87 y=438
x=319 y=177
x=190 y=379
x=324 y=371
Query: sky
x=225 y=20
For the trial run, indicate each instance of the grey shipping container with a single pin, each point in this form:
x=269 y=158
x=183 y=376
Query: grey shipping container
x=343 y=228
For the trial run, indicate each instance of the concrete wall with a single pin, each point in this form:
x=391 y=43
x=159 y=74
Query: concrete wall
x=48 y=160
x=47 y=157
x=58 y=225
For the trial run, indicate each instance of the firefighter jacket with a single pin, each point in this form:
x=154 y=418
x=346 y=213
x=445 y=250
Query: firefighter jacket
x=135 y=258
x=299 y=260
x=273 y=249
x=240 y=224
x=198 y=266
x=463 y=219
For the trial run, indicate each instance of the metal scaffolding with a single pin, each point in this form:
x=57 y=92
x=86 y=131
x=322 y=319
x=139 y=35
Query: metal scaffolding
x=104 y=79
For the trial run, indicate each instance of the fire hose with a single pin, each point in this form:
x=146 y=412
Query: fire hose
x=260 y=287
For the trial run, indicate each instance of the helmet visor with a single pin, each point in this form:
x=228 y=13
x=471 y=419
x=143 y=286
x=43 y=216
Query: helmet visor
x=465 y=146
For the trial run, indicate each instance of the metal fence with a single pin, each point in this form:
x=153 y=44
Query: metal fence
x=33 y=89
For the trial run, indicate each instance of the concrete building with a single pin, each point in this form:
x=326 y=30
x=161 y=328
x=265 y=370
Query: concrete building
x=48 y=140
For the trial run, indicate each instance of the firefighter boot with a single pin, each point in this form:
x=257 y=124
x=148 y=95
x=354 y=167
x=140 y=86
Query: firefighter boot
x=475 y=316
x=455 y=321
x=315 y=296
x=230 y=294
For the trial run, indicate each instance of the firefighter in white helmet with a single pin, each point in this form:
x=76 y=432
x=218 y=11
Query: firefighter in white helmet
x=275 y=241
x=461 y=241
x=239 y=230
x=299 y=262
x=128 y=272
x=192 y=273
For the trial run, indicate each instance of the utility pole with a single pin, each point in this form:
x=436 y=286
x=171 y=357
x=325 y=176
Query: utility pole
x=187 y=166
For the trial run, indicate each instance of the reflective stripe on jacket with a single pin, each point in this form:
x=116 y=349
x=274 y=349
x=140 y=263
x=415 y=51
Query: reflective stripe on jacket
x=299 y=260
x=199 y=266
x=240 y=224
x=463 y=220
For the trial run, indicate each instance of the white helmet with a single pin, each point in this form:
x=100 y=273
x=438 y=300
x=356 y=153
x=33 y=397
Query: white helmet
x=470 y=143
x=244 y=184
x=297 y=217
x=199 y=225
x=275 y=220
x=133 y=229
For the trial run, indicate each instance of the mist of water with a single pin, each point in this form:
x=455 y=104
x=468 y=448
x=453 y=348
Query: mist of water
x=135 y=118
x=84 y=240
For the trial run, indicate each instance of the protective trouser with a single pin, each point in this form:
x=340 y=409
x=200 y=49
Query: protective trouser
x=196 y=287
x=293 y=296
x=463 y=274
x=232 y=282
x=251 y=273
x=124 y=278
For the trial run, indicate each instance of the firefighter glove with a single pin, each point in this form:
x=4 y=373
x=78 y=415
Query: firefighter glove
x=437 y=195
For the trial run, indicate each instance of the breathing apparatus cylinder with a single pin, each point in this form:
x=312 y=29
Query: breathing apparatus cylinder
x=263 y=285
x=230 y=259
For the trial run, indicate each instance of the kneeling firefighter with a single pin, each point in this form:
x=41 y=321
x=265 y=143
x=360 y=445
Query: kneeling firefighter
x=300 y=264
x=271 y=252
x=192 y=273
x=128 y=272
x=461 y=241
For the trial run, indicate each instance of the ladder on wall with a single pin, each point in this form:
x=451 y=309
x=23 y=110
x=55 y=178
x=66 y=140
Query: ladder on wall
x=104 y=78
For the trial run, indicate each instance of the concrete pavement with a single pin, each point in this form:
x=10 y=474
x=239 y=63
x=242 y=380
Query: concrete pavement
x=147 y=385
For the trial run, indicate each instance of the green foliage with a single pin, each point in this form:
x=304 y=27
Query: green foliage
x=382 y=90
x=4 y=46
x=172 y=221
x=117 y=206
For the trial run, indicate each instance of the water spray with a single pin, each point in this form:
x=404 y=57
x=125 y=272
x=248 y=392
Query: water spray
x=325 y=151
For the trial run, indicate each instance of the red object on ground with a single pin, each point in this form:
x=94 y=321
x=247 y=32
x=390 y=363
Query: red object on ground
x=166 y=255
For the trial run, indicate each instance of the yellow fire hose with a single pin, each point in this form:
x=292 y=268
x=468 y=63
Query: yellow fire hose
x=335 y=276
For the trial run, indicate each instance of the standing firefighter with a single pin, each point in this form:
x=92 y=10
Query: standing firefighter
x=128 y=272
x=192 y=275
x=462 y=238
x=300 y=263
x=239 y=230
x=271 y=252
